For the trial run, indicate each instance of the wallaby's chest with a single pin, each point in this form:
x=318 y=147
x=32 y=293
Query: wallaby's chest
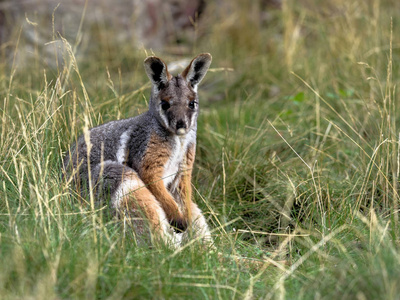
x=176 y=161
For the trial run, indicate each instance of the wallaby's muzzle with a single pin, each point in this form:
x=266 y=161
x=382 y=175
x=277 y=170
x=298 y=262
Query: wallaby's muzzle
x=181 y=127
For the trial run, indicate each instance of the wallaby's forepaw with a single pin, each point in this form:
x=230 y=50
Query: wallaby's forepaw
x=179 y=225
x=178 y=220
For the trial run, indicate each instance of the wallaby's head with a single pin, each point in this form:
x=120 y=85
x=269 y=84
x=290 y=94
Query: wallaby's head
x=174 y=99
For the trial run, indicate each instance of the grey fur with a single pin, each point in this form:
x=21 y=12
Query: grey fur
x=111 y=156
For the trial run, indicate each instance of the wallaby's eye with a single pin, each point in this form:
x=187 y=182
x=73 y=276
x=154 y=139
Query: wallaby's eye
x=192 y=104
x=165 y=105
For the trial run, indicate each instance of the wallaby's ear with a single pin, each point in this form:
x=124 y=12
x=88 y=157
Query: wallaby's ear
x=197 y=69
x=157 y=71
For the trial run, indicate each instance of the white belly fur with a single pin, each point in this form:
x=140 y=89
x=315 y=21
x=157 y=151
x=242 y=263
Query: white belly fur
x=171 y=168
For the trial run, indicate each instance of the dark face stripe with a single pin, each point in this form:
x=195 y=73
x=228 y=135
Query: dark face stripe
x=177 y=84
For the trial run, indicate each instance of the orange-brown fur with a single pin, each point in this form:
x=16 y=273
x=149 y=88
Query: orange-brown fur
x=152 y=171
x=185 y=182
x=145 y=163
x=142 y=199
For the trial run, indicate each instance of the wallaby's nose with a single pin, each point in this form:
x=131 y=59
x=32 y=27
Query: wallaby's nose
x=180 y=127
x=180 y=124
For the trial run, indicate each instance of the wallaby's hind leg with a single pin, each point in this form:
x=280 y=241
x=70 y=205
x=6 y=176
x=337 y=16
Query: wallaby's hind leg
x=131 y=198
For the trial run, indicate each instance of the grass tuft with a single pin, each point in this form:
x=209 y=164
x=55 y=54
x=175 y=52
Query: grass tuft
x=297 y=166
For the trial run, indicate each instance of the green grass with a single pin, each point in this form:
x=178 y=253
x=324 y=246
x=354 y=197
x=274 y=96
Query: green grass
x=297 y=166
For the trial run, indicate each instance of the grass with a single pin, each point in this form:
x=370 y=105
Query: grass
x=297 y=162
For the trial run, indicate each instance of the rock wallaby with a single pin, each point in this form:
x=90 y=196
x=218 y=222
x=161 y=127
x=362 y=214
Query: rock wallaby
x=143 y=165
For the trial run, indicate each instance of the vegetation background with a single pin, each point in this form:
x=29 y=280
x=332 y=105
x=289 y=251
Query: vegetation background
x=298 y=159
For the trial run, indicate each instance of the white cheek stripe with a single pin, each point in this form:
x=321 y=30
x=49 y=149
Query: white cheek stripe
x=187 y=123
x=121 y=152
x=194 y=120
x=163 y=118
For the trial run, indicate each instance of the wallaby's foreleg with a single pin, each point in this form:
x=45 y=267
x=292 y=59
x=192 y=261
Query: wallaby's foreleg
x=185 y=182
x=197 y=222
x=152 y=172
